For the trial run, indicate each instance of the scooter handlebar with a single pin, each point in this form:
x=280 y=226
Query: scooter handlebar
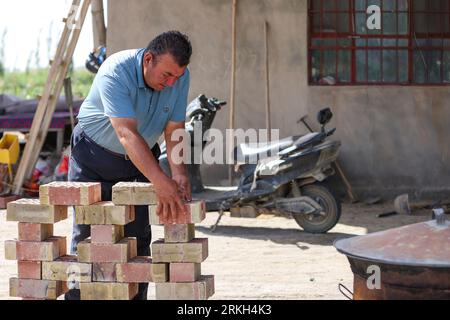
x=217 y=102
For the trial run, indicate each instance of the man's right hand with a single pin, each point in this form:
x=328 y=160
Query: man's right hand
x=169 y=201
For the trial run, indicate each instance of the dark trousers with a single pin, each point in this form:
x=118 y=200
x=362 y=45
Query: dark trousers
x=89 y=162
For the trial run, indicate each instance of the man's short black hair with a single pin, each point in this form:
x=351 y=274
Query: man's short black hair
x=173 y=42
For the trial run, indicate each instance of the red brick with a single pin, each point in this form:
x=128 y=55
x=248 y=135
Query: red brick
x=34 y=231
x=47 y=250
x=196 y=213
x=141 y=269
x=5 y=199
x=104 y=272
x=199 y=290
x=106 y=233
x=29 y=270
x=36 y=289
x=184 y=272
x=174 y=233
x=122 y=251
x=70 y=193
x=62 y=245
x=66 y=196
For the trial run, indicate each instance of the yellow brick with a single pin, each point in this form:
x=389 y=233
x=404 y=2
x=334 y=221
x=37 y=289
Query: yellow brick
x=67 y=268
x=196 y=213
x=200 y=290
x=104 y=213
x=14 y=287
x=160 y=272
x=84 y=251
x=32 y=211
x=10 y=250
x=43 y=195
x=134 y=193
x=108 y=291
x=195 y=251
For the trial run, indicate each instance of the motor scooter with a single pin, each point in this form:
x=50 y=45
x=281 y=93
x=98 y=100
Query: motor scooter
x=288 y=176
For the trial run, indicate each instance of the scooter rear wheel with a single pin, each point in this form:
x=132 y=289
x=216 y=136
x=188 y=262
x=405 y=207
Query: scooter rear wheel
x=329 y=217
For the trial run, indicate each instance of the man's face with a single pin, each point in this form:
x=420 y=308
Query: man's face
x=162 y=72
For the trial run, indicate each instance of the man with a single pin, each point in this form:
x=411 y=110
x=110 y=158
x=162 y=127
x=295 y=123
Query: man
x=136 y=96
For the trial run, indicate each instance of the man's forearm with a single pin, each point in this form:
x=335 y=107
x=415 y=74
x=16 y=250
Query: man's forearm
x=179 y=172
x=176 y=160
x=178 y=169
x=175 y=167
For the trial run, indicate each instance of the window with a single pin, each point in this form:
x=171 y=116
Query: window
x=379 y=42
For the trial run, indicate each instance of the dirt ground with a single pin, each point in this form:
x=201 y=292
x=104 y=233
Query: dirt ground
x=265 y=258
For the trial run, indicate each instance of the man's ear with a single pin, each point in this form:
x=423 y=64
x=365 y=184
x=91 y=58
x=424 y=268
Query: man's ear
x=148 y=58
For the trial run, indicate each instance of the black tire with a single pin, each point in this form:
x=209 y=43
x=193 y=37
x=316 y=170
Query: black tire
x=332 y=209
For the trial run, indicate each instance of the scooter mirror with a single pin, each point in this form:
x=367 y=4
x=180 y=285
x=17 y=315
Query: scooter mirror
x=324 y=116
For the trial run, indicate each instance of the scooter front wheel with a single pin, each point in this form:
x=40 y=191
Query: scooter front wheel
x=323 y=221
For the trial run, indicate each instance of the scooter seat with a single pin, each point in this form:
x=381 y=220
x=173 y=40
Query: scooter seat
x=307 y=140
x=262 y=150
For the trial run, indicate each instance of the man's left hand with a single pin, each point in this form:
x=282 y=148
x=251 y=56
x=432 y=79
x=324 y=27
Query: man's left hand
x=184 y=186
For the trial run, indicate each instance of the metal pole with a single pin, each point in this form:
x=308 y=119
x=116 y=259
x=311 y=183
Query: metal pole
x=233 y=85
x=266 y=45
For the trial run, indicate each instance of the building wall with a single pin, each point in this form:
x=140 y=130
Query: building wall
x=394 y=139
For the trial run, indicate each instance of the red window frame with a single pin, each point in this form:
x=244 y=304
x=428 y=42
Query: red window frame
x=410 y=43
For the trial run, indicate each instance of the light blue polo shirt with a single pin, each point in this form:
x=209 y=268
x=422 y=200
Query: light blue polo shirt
x=119 y=91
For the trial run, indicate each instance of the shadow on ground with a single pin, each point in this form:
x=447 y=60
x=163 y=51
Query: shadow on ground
x=280 y=236
x=355 y=215
x=367 y=216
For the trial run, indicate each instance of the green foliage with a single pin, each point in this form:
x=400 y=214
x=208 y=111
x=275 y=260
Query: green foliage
x=30 y=85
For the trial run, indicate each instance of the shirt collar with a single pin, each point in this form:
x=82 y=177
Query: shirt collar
x=139 y=69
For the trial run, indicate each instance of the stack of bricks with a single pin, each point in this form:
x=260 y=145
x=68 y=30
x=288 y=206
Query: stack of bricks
x=116 y=268
x=184 y=253
x=106 y=266
x=44 y=268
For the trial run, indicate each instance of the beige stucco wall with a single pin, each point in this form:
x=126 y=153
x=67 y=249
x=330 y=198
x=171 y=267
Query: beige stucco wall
x=394 y=139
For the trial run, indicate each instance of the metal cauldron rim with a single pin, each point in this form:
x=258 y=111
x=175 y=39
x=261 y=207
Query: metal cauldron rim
x=386 y=262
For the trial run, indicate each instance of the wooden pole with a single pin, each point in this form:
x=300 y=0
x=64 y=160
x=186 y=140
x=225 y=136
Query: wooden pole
x=41 y=109
x=233 y=85
x=52 y=90
x=267 y=74
x=98 y=23
x=69 y=100
x=350 y=192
